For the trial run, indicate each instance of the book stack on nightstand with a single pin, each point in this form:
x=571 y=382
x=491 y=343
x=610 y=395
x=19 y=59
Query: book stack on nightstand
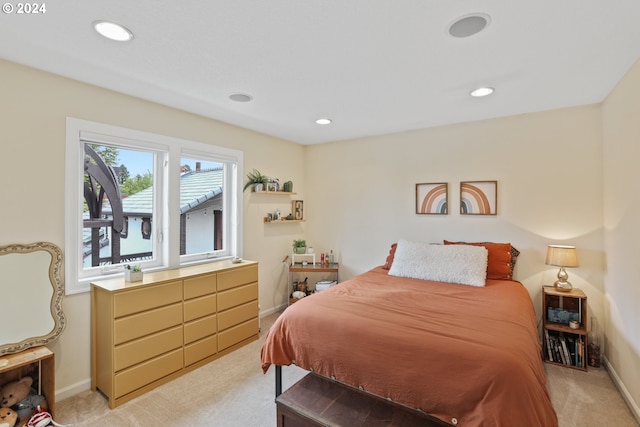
x=564 y=327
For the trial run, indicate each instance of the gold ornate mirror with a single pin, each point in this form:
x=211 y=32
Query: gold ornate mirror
x=32 y=288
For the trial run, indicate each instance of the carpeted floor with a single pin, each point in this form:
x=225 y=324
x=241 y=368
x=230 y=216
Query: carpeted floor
x=233 y=392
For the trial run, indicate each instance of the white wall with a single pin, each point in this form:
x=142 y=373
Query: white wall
x=621 y=126
x=549 y=172
x=33 y=110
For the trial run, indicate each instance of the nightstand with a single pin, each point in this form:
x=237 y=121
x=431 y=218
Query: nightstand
x=564 y=327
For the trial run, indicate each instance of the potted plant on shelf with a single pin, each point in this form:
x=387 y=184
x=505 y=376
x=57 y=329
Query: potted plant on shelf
x=299 y=246
x=132 y=273
x=256 y=180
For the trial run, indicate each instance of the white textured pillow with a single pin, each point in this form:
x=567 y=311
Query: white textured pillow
x=463 y=264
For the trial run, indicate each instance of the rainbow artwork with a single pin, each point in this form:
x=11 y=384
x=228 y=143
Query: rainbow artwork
x=431 y=198
x=478 y=197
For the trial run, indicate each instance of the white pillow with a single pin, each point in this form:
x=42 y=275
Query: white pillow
x=463 y=264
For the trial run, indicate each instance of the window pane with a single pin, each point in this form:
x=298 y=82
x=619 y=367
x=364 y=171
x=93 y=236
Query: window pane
x=119 y=206
x=201 y=206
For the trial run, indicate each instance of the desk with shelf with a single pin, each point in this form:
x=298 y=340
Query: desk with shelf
x=315 y=267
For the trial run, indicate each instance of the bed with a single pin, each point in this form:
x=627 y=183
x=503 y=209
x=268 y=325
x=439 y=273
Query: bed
x=468 y=355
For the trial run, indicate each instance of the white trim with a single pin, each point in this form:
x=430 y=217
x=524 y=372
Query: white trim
x=272 y=310
x=166 y=246
x=73 y=389
x=633 y=406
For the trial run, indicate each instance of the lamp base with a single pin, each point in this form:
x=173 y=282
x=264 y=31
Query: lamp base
x=562 y=286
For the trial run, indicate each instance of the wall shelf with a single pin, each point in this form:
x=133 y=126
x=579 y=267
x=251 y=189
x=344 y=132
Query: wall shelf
x=276 y=193
x=283 y=221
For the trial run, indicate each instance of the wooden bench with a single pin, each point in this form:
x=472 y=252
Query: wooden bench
x=318 y=401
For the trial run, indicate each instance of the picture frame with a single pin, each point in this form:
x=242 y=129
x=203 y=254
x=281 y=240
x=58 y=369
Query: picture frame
x=298 y=210
x=478 y=197
x=432 y=198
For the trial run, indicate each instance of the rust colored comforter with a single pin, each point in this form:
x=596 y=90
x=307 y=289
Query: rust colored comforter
x=463 y=354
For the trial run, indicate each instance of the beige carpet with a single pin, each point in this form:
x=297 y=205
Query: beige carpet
x=232 y=391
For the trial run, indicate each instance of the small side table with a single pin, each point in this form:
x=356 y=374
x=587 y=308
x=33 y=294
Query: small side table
x=312 y=268
x=561 y=344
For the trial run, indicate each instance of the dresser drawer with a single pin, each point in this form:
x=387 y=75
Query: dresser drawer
x=237 y=276
x=237 y=315
x=141 y=375
x=141 y=324
x=238 y=333
x=146 y=298
x=137 y=351
x=199 y=307
x=200 y=350
x=237 y=296
x=199 y=286
x=200 y=328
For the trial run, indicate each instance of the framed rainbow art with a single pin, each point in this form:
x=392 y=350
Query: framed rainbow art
x=432 y=198
x=478 y=198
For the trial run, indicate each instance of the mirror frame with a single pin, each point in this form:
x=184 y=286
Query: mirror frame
x=57 y=282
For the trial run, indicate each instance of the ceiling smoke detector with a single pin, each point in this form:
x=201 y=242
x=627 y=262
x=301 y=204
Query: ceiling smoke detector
x=469 y=25
x=240 y=97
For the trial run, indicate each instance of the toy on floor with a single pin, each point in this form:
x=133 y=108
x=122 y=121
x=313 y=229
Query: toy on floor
x=14 y=391
x=8 y=417
x=41 y=418
x=21 y=397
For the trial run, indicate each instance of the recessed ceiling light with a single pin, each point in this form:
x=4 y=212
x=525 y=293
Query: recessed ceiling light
x=323 y=121
x=240 y=97
x=112 y=31
x=482 y=91
x=468 y=25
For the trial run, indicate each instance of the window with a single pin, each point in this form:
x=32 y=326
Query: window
x=138 y=198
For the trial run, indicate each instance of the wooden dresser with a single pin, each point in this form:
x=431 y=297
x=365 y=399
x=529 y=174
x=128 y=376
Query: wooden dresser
x=147 y=333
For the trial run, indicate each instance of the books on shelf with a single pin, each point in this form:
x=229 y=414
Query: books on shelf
x=565 y=348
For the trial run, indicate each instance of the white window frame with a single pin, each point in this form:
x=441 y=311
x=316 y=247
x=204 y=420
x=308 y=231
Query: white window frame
x=169 y=151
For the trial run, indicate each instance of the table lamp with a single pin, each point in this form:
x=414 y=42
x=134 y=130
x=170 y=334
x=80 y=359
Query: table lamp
x=562 y=256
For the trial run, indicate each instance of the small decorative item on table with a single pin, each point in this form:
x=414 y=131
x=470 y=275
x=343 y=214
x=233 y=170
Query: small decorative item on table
x=132 y=273
x=299 y=246
x=298 y=210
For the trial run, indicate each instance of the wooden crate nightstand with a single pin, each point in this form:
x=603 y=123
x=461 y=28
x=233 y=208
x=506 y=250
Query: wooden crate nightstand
x=564 y=342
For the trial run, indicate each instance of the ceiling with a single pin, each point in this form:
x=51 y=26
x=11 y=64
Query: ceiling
x=373 y=67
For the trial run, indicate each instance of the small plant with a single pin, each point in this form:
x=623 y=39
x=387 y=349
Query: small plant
x=132 y=273
x=255 y=177
x=299 y=246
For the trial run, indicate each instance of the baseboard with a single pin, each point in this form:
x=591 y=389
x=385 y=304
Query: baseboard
x=73 y=389
x=633 y=406
x=273 y=310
